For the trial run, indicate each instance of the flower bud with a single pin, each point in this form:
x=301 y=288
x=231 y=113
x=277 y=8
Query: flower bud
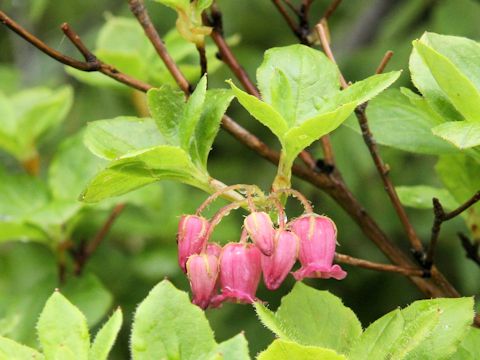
x=260 y=229
x=318 y=236
x=275 y=268
x=213 y=249
x=191 y=237
x=240 y=272
x=202 y=272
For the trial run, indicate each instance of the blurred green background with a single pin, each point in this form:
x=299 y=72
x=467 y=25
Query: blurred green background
x=140 y=250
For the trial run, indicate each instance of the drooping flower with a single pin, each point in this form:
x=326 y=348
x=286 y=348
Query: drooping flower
x=276 y=267
x=191 y=237
x=318 y=236
x=213 y=249
x=202 y=272
x=240 y=273
x=260 y=229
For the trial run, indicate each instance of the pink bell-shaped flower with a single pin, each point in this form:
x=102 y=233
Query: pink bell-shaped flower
x=260 y=229
x=191 y=237
x=318 y=236
x=276 y=267
x=240 y=273
x=202 y=272
x=213 y=249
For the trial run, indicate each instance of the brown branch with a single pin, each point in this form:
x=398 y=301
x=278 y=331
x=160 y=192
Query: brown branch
x=227 y=55
x=138 y=9
x=440 y=216
x=82 y=256
x=67 y=60
x=203 y=59
x=343 y=196
x=383 y=64
x=331 y=9
x=472 y=248
x=382 y=169
x=290 y=22
x=346 y=259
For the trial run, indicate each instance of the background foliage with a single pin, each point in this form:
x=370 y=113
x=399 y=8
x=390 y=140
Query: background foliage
x=140 y=250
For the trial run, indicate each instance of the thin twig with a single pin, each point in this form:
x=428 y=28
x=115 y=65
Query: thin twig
x=137 y=7
x=67 y=60
x=290 y=22
x=227 y=55
x=383 y=64
x=472 y=248
x=327 y=148
x=84 y=254
x=331 y=9
x=382 y=169
x=203 y=59
x=346 y=259
x=440 y=216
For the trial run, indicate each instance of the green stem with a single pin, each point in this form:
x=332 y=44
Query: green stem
x=284 y=173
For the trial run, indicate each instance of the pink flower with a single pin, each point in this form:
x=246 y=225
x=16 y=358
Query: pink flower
x=213 y=249
x=318 y=236
x=260 y=229
x=191 y=237
x=275 y=268
x=202 y=272
x=240 y=273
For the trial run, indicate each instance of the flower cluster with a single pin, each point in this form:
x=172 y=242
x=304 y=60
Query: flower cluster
x=232 y=273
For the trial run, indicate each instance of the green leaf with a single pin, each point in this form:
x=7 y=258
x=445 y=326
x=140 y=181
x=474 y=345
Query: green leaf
x=71 y=168
x=216 y=103
x=90 y=296
x=168 y=326
x=262 y=111
x=427 y=329
x=235 y=348
x=461 y=92
x=136 y=169
x=468 y=348
x=404 y=120
x=106 y=337
x=167 y=107
x=294 y=80
x=285 y=350
x=21 y=231
x=62 y=326
x=312 y=317
x=462 y=134
x=298 y=138
x=192 y=114
x=110 y=139
x=175 y=4
x=10 y=349
x=420 y=197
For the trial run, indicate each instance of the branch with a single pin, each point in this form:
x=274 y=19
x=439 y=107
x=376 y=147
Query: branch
x=138 y=9
x=472 y=249
x=91 y=64
x=346 y=259
x=84 y=254
x=290 y=22
x=382 y=169
x=440 y=216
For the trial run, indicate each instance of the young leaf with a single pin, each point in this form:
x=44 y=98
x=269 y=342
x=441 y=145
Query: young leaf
x=175 y=4
x=105 y=337
x=461 y=92
x=420 y=197
x=192 y=114
x=235 y=348
x=167 y=106
x=168 y=326
x=462 y=134
x=110 y=139
x=136 y=169
x=300 y=73
x=469 y=348
x=20 y=231
x=10 y=349
x=286 y=350
x=262 y=111
x=216 y=103
x=62 y=326
x=312 y=317
x=404 y=120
